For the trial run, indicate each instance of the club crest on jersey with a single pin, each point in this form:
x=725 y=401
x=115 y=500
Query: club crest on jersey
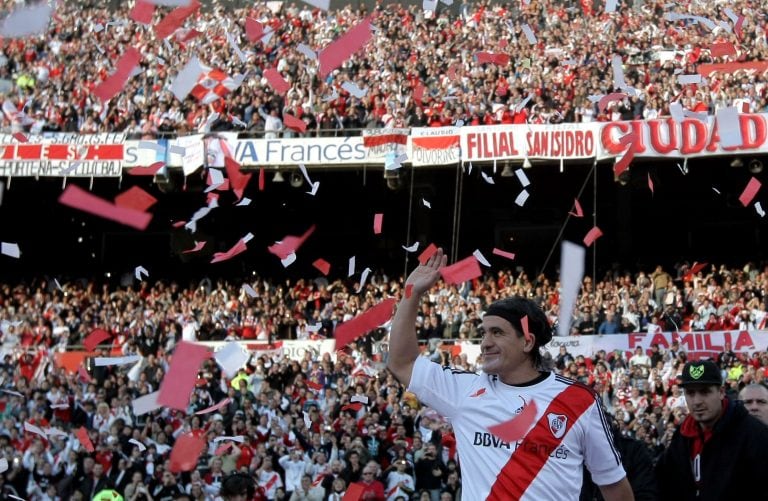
x=557 y=424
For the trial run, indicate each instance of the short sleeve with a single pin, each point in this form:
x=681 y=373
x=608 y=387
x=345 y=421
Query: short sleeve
x=441 y=388
x=601 y=457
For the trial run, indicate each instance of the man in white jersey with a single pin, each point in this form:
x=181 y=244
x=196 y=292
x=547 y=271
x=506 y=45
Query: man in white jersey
x=568 y=431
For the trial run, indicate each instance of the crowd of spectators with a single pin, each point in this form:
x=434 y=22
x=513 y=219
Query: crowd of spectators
x=421 y=68
x=304 y=435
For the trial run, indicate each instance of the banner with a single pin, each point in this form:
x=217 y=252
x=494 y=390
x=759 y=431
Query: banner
x=434 y=146
x=707 y=344
x=517 y=142
x=689 y=137
x=302 y=150
x=378 y=143
x=60 y=155
x=293 y=349
x=105 y=155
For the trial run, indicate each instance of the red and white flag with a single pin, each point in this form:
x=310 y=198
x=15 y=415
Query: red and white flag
x=214 y=84
x=381 y=142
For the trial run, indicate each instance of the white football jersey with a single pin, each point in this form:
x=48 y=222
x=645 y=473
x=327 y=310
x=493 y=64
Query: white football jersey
x=570 y=430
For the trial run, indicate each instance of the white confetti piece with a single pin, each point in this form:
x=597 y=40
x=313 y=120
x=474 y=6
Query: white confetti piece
x=412 y=248
x=528 y=32
x=351 y=267
x=759 y=209
x=689 y=79
x=145 y=404
x=426 y=204
x=488 y=179
x=307 y=51
x=288 y=260
x=728 y=126
x=392 y=162
x=522 y=197
x=520 y=173
x=235 y=47
x=34 y=429
x=138 y=444
x=106 y=361
x=320 y=4
x=238 y=438
x=139 y=271
x=231 y=358
x=334 y=95
x=10 y=249
x=480 y=258
x=571 y=273
x=249 y=290
x=26 y=21
x=359 y=398
x=363 y=279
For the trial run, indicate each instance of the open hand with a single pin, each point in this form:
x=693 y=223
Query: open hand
x=426 y=275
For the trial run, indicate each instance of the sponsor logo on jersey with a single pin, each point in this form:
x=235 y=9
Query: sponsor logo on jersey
x=557 y=424
x=485 y=439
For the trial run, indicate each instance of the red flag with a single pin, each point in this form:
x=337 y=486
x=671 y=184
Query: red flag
x=322 y=265
x=592 y=235
x=749 y=192
x=579 y=212
x=290 y=244
x=253 y=29
x=367 y=321
x=428 y=253
x=185 y=452
x=85 y=440
x=142 y=12
x=95 y=338
x=461 y=271
x=343 y=47
x=294 y=123
x=175 y=19
x=135 y=198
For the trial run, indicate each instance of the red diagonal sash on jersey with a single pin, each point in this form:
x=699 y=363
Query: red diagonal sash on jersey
x=271 y=482
x=526 y=462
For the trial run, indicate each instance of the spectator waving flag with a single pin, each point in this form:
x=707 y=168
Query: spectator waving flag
x=214 y=84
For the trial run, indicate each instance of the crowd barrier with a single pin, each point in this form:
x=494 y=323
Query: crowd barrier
x=107 y=155
x=707 y=344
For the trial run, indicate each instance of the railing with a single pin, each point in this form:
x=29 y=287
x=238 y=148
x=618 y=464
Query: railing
x=256 y=134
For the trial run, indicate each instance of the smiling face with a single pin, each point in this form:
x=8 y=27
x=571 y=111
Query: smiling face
x=505 y=351
x=705 y=403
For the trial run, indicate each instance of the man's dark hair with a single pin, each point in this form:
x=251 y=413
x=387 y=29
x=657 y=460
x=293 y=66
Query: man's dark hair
x=237 y=484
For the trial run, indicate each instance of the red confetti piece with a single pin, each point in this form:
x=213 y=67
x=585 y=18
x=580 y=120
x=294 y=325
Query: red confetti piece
x=516 y=428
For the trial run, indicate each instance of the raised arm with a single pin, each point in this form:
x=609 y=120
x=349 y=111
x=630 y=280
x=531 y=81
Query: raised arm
x=403 y=346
